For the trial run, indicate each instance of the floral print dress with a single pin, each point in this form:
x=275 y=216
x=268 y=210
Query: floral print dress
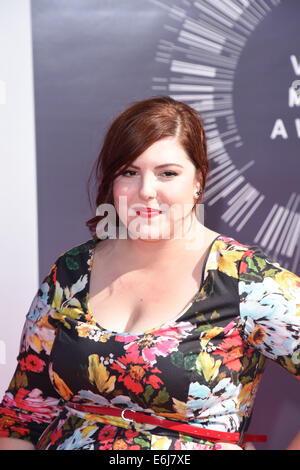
x=202 y=368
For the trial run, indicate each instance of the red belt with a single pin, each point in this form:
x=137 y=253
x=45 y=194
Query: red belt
x=137 y=416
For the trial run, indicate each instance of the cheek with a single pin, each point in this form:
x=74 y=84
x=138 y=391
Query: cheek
x=122 y=193
x=181 y=194
x=125 y=195
x=184 y=193
x=182 y=201
x=176 y=192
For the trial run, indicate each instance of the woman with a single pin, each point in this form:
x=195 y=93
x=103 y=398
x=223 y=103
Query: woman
x=156 y=315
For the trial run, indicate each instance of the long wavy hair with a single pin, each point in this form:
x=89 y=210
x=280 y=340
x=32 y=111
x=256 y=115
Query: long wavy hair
x=132 y=132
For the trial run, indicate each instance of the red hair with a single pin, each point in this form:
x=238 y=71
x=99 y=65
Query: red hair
x=137 y=128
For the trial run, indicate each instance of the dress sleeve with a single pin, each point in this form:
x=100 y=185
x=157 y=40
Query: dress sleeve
x=269 y=297
x=30 y=403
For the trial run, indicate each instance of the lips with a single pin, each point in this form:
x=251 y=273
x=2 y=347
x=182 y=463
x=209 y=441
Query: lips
x=147 y=212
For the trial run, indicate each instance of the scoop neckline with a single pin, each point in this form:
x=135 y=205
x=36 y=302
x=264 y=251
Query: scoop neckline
x=163 y=325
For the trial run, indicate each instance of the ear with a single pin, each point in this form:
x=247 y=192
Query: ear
x=198 y=180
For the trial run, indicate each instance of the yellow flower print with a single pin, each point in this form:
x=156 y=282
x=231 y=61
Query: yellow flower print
x=105 y=419
x=60 y=385
x=288 y=282
x=83 y=330
x=208 y=335
x=160 y=443
x=71 y=307
x=99 y=375
x=223 y=259
x=228 y=264
x=85 y=432
x=43 y=336
x=91 y=331
x=207 y=367
x=57 y=299
x=179 y=408
x=36 y=343
x=248 y=389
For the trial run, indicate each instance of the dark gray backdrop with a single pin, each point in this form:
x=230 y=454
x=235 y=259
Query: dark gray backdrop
x=94 y=57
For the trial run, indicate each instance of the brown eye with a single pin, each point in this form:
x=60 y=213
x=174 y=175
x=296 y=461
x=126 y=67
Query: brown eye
x=171 y=173
x=127 y=171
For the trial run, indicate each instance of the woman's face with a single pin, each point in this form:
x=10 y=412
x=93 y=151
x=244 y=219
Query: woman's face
x=163 y=177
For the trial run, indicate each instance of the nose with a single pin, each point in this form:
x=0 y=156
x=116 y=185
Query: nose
x=147 y=188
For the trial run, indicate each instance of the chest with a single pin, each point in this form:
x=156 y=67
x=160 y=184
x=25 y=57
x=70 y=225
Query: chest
x=136 y=301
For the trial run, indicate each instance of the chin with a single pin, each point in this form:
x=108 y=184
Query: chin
x=148 y=233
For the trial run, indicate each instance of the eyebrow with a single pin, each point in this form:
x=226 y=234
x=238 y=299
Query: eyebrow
x=160 y=166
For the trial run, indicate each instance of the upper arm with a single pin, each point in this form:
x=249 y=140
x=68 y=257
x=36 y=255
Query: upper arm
x=30 y=403
x=270 y=308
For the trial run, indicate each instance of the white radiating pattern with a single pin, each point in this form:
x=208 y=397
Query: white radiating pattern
x=208 y=39
x=18 y=236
